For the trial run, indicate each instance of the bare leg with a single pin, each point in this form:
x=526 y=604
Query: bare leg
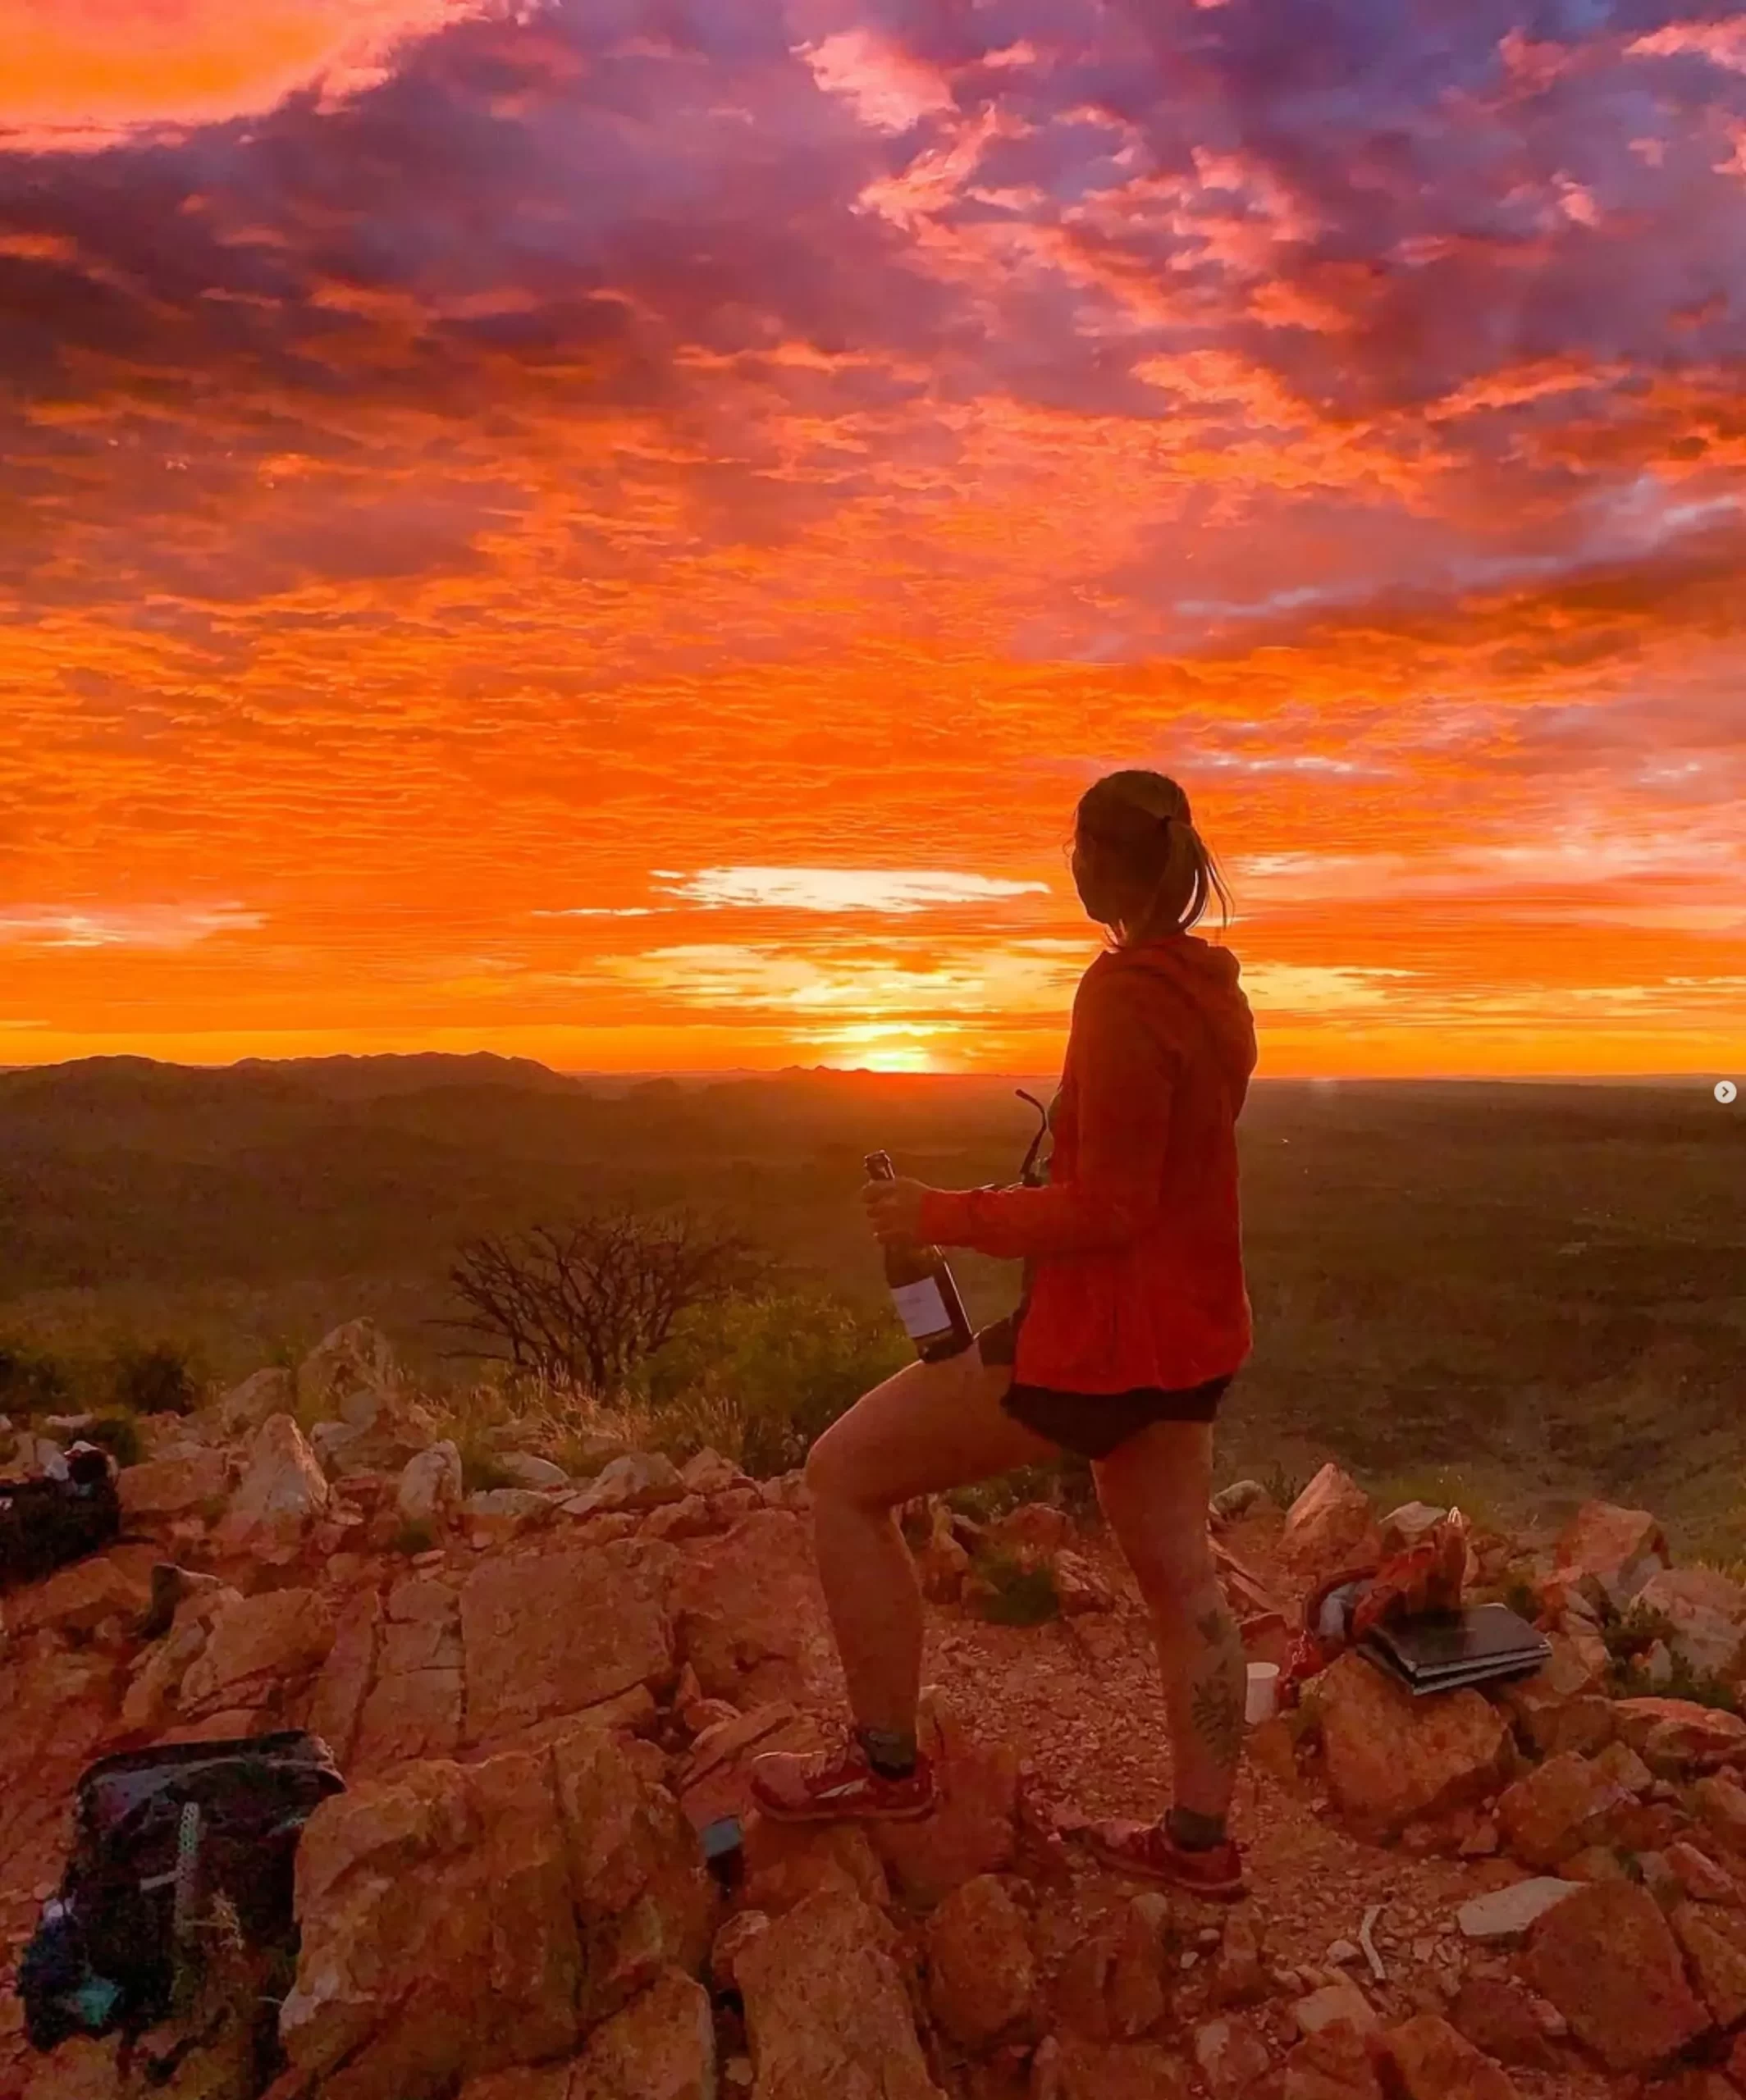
x=1153 y=1490
x=930 y=1427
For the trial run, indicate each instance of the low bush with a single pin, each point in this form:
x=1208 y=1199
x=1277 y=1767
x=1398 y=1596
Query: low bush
x=32 y=1382
x=154 y=1381
x=760 y=1377
x=119 y=1436
x=1009 y=1592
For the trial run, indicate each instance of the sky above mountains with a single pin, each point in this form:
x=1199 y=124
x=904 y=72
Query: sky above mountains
x=617 y=531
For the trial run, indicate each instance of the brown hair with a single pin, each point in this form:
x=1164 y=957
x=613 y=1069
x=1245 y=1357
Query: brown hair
x=1149 y=872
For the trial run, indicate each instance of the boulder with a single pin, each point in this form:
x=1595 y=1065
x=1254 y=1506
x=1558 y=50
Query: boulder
x=1675 y=1737
x=973 y=1829
x=1392 y=1758
x=1404 y=1528
x=1618 y=1549
x=413 y=1706
x=750 y=1615
x=785 y=1863
x=707 y=1472
x=495 y=1515
x=281 y=1493
x=1231 y=2055
x=661 y=2047
x=1084 y=2069
x=1563 y=1705
x=458 y=1920
x=1701 y=1877
x=430 y=1490
x=1708 y=1614
x=346 y=1676
x=1721 y=1804
x=111 y=1588
x=172 y=1487
x=1500 y=2019
x=242 y=1410
x=1558 y=1808
x=981 y=1974
x=1431 y=2061
x=635 y=1481
x=1342 y=2004
x=1330 y=1527
x=551 y=1635
x=349 y=1375
x=1715 y=1944
x=1111 y=1984
x=525 y=1469
x=826 y=2010
x=1608 y=1959
x=1333 y=2063
x=255 y=1650
x=1508 y=1913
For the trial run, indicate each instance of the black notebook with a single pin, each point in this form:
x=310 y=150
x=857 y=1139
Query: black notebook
x=1439 y=1651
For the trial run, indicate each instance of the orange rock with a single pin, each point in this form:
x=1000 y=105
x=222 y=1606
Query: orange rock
x=1391 y=1758
x=346 y=1675
x=1335 y=2005
x=661 y=2047
x=1332 y=2063
x=1117 y=2070
x=1112 y=1986
x=76 y=1599
x=1431 y=2062
x=1675 y=1736
x=1558 y=1808
x=1608 y=1959
x=283 y=1490
x=1700 y=1877
x=826 y=2010
x=1238 y=1977
x=1331 y=1525
x=255 y=1646
x=553 y=1633
x=784 y=1862
x=171 y=1487
x=980 y=1973
x=1722 y=1803
x=750 y=1616
x=1561 y=1706
x=1500 y=2018
x=1621 y=1548
x=974 y=1827
x=1231 y=2055
x=1715 y=1943
x=409 y=1981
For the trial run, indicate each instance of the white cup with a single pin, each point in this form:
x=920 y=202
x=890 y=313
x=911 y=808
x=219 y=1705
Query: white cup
x=1264 y=1692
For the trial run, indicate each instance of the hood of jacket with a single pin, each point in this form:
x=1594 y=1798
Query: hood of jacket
x=1199 y=1001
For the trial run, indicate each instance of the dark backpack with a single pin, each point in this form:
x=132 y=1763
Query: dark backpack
x=159 y=1835
x=46 y=1523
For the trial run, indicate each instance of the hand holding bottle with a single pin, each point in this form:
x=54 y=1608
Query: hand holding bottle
x=895 y=1209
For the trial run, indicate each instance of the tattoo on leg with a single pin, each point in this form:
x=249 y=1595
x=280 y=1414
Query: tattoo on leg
x=1216 y=1698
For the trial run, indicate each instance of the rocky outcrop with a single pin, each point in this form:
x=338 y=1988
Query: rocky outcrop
x=543 y=1699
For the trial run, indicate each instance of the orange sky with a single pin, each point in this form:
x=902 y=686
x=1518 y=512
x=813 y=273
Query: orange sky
x=617 y=532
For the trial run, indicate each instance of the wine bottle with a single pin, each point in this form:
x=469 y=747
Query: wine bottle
x=922 y=1288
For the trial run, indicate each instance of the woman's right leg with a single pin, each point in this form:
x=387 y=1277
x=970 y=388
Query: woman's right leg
x=930 y=1427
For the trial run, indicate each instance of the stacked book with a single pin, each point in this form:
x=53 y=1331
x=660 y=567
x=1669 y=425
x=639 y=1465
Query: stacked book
x=1439 y=1651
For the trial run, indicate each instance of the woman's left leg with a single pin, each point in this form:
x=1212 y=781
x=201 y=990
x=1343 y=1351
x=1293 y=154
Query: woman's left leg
x=1154 y=1489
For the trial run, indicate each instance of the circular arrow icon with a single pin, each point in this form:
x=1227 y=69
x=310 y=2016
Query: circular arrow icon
x=1726 y=1091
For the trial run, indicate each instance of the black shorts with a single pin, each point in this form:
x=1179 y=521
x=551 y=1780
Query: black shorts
x=1093 y=1425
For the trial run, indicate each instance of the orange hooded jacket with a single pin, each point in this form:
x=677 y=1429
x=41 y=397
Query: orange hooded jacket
x=1134 y=1249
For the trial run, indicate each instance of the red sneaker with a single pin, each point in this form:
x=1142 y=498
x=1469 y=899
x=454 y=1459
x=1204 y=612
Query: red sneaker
x=838 y=1783
x=1147 y=1850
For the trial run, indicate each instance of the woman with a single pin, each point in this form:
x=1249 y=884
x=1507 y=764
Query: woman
x=1133 y=1320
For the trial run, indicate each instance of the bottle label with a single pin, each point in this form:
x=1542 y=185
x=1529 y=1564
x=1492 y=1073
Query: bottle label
x=921 y=1308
